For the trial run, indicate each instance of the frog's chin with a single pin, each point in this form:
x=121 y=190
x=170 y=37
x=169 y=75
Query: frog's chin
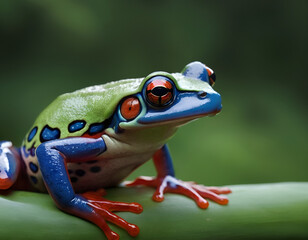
x=180 y=121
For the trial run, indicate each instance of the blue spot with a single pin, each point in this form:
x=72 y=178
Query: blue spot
x=76 y=125
x=25 y=152
x=33 y=167
x=32 y=134
x=33 y=179
x=96 y=128
x=49 y=133
x=74 y=179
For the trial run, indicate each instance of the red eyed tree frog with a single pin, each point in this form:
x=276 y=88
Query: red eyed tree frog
x=95 y=137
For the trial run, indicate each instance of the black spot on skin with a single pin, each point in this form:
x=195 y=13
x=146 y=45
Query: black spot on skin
x=69 y=171
x=80 y=172
x=74 y=179
x=91 y=162
x=33 y=167
x=33 y=179
x=95 y=169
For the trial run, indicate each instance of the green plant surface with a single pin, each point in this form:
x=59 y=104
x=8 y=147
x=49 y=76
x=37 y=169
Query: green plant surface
x=259 y=211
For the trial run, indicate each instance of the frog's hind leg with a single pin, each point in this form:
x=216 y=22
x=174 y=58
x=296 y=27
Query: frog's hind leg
x=9 y=164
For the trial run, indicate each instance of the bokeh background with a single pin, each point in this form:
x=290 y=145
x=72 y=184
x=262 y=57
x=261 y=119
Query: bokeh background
x=258 y=50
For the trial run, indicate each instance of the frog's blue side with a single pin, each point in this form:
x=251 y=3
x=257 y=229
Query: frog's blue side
x=102 y=153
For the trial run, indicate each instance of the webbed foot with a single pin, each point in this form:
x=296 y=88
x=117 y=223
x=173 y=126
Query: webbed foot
x=198 y=193
x=101 y=212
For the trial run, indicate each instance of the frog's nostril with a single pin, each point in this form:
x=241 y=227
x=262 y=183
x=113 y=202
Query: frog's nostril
x=202 y=94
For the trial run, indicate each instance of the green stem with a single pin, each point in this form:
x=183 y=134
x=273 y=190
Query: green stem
x=260 y=211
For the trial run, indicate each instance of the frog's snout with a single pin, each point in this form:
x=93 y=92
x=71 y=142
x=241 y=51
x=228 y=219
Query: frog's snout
x=218 y=101
x=214 y=105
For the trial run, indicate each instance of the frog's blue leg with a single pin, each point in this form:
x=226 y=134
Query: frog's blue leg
x=166 y=182
x=9 y=164
x=52 y=157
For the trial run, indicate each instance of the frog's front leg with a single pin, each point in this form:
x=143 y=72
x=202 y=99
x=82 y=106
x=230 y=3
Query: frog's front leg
x=52 y=157
x=166 y=182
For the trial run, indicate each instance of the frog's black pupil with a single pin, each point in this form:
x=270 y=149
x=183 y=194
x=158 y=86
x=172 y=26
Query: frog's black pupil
x=159 y=91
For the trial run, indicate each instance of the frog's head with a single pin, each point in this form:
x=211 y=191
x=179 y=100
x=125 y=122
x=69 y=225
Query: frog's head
x=172 y=98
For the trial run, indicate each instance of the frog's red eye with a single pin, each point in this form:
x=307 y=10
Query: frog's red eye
x=212 y=76
x=159 y=92
x=130 y=108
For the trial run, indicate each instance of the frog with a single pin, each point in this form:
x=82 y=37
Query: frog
x=92 y=139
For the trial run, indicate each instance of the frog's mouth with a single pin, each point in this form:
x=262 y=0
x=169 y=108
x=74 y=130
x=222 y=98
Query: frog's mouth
x=187 y=106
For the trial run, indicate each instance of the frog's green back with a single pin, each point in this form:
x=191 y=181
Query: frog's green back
x=92 y=104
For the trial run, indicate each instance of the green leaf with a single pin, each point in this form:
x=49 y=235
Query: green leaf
x=260 y=211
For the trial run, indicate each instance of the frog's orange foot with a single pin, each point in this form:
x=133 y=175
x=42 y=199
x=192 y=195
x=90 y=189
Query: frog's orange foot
x=198 y=193
x=103 y=210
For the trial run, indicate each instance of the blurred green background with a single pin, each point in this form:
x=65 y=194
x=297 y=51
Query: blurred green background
x=258 y=50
